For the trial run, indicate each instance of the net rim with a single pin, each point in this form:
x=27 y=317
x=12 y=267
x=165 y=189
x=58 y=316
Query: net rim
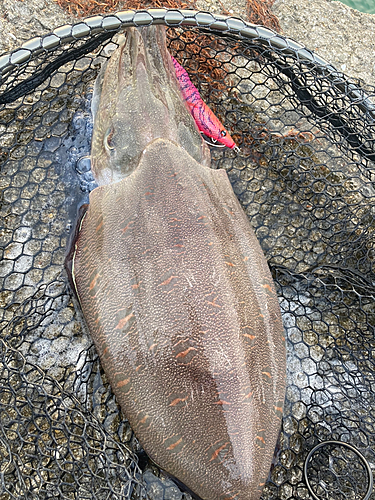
x=232 y=26
x=169 y=17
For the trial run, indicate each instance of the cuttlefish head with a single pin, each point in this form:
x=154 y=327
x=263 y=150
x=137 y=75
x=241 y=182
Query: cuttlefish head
x=137 y=100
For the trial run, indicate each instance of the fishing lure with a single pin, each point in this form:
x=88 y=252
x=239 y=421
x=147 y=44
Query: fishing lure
x=207 y=122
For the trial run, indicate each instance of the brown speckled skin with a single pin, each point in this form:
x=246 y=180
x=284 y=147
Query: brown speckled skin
x=180 y=302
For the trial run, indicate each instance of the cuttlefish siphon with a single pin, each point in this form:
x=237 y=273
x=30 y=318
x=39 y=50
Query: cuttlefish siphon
x=173 y=284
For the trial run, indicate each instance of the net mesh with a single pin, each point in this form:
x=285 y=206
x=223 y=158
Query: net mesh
x=304 y=177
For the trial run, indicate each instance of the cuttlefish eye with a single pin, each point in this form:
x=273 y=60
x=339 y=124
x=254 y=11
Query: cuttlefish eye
x=223 y=133
x=108 y=136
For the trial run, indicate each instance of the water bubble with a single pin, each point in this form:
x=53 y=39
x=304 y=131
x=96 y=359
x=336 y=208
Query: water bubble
x=83 y=165
x=78 y=121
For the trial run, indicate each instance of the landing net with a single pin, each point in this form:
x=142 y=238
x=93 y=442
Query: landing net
x=305 y=179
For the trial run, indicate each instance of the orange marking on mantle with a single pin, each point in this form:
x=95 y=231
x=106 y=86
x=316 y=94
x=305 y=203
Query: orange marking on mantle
x=251 y=337
x=123 y=321
x=232 y=497
x=127 y=226
x=185 y=353
x=123 y=382
x=227 y=210
x=268 y=287
x=93 y=282
x=173 y=446
x=213 y=303
x=215 y=453
x=167 y=281
x=178 y=400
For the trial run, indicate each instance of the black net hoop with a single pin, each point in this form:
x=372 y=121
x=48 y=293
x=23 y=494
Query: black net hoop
x=304 y=177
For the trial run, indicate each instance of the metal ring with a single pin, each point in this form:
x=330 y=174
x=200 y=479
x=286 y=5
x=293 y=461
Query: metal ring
x=345 y=445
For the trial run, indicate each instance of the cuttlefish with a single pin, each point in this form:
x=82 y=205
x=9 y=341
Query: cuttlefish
x=173 y=284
